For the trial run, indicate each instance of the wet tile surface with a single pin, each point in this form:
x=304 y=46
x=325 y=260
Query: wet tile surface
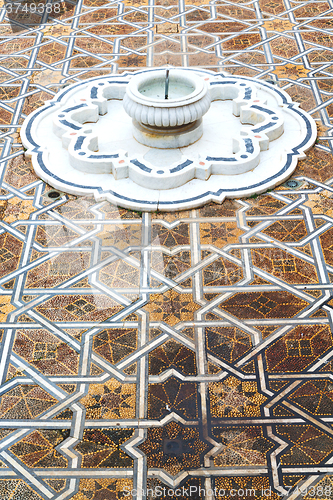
x=167 y=350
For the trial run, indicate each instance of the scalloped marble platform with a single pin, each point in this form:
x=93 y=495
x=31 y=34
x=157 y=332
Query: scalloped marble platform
x=82 y=143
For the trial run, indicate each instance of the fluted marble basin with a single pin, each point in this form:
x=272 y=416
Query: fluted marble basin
x=172 y=122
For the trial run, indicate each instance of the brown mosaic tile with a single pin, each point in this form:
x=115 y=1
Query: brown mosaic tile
x=243 y=446
x=7 y=93
x=240 y=42
x=227 y=209
x=312 y=9
x=83 y=61
x=51 y=51
x=14 y=62
x=222 y=273
x=134 y=43
x=320 y=203
x=16 y=44
x=38 y=449
x=232 y=487
x=56 y=271
x=103 y=489
x=19 y=172
x=18 y=209
x=17 y=488
x=171 y=307
x=179 y=235
x=167 y=58
x=281 y=411
x=56 y=484
x=249 y=367
x=164 y=15
x=302 y=95
x=25 y=402
x=161 y=442
x=166 y=27
x=322 y=487
x=223 y=25
x=327 y=246
x=10 y=251
x=5 y=116
x=315 y=396
x=284 y=266
x=266 y=330
x=291 y=71
x=54 y=236
x=281 y=46
x=121 y=236
x=58 y=30
x=264 y=204
x=46 y=352
x=279 y=25
x=79 y=308
x=115 y=344
x=100 y=448
x=228 y=343
x=308 y=445
x=172 y=354
x=247 y=63
x=85 y=74
x=170 y=265
x=324 y=85
x=172 y=396
x=170 y=216
x=263 y=305
x=35 y=100
x=272 y=6
x=209 y=61
x=120 y=274
x=164 y=491
x=236 y=9
x=3 y=76
x=100 y=15
x=136 y=16
x=299 y=348
x=233 y=398
x=220 y=233
x=12 y=372
x=5 y=307
x=169 y=48
x=112 y=400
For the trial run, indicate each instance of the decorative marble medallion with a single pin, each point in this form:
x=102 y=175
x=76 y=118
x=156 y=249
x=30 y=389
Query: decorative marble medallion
x=82 y=143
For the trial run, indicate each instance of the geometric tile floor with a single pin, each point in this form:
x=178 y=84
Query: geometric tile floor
x=157 y=354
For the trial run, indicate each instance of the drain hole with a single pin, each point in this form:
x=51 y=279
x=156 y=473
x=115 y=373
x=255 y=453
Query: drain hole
x=53 y=194
x=292 y=184
x=273 y=82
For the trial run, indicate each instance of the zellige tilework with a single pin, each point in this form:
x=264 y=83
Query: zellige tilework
x=166 y=352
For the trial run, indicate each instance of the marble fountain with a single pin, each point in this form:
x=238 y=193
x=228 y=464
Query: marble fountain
x=167 y=139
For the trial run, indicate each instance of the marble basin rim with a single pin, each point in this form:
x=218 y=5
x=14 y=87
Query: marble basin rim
x=138 y=82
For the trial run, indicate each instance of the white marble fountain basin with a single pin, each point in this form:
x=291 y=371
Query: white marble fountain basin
x=82 y=143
